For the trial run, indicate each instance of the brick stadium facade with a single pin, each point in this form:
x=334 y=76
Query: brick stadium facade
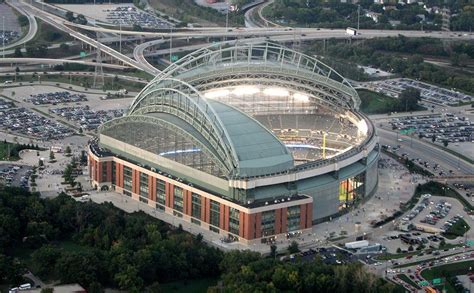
x=109 y=172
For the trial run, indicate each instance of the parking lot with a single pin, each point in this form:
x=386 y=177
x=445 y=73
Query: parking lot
x=443 y=127
x=55 y=98
x=119 y=14
x=86 y=118
x=31 y=124
x=12 y=27
x=431 y=93
x=15 y=174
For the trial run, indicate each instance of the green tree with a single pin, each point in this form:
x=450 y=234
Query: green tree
x=52 y=157
x=293 y=247
x=408 y=99
x=445 y=143
x=70 y=16
x=273 y=251
x=44 y=259
x=129 y=280
x=23 y=20
x=68 y=151
x=410 y=248
x=18 y=53
x=64 y=47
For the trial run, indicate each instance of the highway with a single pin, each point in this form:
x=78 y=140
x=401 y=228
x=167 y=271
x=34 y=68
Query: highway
x=33 y=25
x=59 y=23
x=56 y=61
x=426 y=152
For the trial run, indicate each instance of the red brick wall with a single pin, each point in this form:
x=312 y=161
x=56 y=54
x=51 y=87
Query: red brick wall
x=109 y=171
x=187 y=202
x=249 y=229
x=284 y=220
x=303 y=214
x=98 y=172
x=277 y=221
x=241 y=224
x=222 y=218
x=258 y=225
x=207 y=217
x=309 y=215
x=152 y=188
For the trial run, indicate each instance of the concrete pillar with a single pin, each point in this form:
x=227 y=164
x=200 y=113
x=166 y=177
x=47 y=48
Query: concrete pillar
x=258 y=225
x=284 y=220
x=109 y=171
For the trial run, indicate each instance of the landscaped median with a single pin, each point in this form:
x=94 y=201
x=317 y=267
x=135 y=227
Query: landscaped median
x=458 y=229
x=446 y=272
x=407 y=280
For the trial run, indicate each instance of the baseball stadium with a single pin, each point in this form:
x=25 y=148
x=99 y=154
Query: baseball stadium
x=250 y=141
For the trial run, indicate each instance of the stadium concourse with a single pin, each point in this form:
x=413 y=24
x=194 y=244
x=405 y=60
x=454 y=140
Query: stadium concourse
x=253 y=142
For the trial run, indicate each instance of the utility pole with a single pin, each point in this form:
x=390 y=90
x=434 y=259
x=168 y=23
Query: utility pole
x=227 y=18
x=3 y=36
x=120 y=35
x=358 y=17
x=171 y=43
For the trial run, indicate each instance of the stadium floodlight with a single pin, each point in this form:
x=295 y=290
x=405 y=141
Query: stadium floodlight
x=245 y=91
x=276 y=92
x=300 y=97
x=362 y=127
x=216 y=94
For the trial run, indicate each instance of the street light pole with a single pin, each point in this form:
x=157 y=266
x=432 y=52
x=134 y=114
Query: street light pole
x=120 y=37
x=358 y=16
x=227 y=19
x=3 y=36
x=171 y=43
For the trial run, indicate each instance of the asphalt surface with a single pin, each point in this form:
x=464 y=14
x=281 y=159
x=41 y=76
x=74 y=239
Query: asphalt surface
x=426 y=152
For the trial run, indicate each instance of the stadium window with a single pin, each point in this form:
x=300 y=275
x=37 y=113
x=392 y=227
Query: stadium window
x=114 y=172
x=160 y=191
x=127 y=178
x=214 y=229
x=196 y=222
x=143 y=185
x=160 y=207
x=234 y=221
x=268 y=223
x=215 y=213
x=104 y=172
x=293 y=218
x=178 y=199
x=196 y=206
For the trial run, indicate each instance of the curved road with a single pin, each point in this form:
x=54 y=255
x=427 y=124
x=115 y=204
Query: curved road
x=33 y=25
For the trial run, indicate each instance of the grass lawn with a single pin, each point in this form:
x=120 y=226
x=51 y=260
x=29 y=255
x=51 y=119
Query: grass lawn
x=447 y=271
x=376 y=103
x=4 y=152
x=48 y=34
x=457 y=230
x=85 y=81
x=195 y=286
x=406 y=279
x=389 y=256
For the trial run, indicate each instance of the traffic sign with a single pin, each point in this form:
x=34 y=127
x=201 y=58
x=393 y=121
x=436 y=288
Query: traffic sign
x=423 y=283
x=437 y=281
x=174 y=58
x=470 y=243
x=82 y=54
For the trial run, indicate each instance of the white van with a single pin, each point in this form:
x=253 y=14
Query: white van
x=25 y=286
